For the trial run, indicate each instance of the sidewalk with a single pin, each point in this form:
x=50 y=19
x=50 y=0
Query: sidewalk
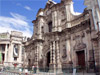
x=45 y=73
x=63 y=74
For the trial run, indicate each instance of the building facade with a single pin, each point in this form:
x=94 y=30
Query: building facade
x=63 y=38
x=11 y=49
x=94 y=10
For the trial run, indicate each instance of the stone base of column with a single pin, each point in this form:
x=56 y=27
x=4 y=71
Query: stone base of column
x=52 y=68
x=37 y=71
x=59 y=70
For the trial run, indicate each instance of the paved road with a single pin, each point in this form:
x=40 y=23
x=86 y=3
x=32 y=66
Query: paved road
x=2 y=73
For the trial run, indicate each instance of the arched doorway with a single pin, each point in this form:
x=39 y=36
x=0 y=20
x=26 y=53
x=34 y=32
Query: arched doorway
x=48 y=59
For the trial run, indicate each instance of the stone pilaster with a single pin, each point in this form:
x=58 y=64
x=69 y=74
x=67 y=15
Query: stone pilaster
x=54 y=19
x=68 y=48
x=91 y=19
x=68 y=5
x=99 y=51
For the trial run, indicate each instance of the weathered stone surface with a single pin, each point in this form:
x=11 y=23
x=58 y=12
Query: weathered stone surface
x=70 y=38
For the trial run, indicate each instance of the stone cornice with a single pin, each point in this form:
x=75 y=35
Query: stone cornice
x=34 y=21
x=80 y=26
x=52 y=33
x=16 y=36
x=4 y=39
x=38 y=40
x=70 y=30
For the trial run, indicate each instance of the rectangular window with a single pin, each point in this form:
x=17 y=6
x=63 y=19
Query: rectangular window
x=15 y=58
x=2 y=47
x=50 y=26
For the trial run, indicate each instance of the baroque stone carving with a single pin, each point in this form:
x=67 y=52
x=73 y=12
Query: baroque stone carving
x=79 y=43
x=64 y=55
x=80 y=46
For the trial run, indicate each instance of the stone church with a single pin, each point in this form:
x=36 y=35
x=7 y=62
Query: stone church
x=63 y=38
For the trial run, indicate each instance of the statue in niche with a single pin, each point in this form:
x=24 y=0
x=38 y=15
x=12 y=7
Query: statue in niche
x=16 y=50
x=64 y=55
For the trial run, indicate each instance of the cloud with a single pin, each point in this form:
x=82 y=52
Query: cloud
x=15 y=23
x=28 y=8
x=25 y=7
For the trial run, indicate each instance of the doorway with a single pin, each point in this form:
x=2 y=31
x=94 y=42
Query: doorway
x=29 y=62
x=81 y=58
x=3 y=57
x=48 y=59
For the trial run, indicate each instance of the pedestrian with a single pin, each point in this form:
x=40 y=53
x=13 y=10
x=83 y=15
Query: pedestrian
x=35 y=69
x=26 y=72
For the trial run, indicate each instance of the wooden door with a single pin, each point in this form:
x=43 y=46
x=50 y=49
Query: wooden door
x=81 y=58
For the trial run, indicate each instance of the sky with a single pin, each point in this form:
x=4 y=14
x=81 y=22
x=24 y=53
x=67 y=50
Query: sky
x=17 y=15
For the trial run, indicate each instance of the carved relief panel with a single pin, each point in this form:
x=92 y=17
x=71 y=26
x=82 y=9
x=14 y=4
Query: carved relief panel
x=64 y=53
x=63 y=50
x=79 y=44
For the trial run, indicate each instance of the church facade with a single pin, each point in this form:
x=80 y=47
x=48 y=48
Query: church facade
x=63 y=38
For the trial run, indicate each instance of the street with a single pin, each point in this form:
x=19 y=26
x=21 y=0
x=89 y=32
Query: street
x=45 y=73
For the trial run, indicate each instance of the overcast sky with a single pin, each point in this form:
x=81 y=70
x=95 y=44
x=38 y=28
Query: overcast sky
x=17 y=15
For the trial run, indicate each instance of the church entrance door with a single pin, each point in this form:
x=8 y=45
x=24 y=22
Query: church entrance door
x=81 y=58
x=48 y=59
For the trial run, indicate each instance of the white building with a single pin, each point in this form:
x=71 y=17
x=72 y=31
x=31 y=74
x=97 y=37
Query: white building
x=11 y=49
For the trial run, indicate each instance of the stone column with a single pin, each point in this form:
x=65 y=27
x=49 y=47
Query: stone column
x=59 y=66
x=5 y=61
x=6 y=53
x=37 y=58
x=53 y=66
x=10 y=54
x=51 y=50
x=54 y=61
x=20 y=53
